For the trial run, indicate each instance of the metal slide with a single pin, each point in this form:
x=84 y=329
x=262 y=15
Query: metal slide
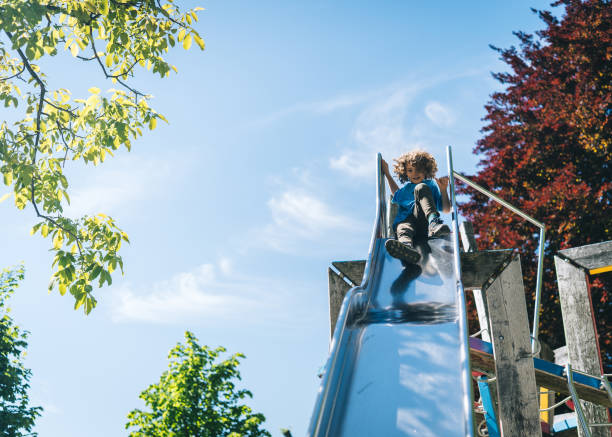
x=399 y=364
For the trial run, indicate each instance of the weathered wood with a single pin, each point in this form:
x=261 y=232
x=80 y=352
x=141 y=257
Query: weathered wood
x=476 y=268
x=337 y=290
x=353 y=270
x=466 y=230
x=580 y=332
x=592 y=256
x=516 y=386
x=483 y=362
x=479 y=267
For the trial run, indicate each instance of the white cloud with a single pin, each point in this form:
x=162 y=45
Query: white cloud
x=200 y=294
x=379 y=128
x=320 y=107
x=116 y=185
x=304 y=213
x=394 y=122
x=298 y=217
x=440 y=114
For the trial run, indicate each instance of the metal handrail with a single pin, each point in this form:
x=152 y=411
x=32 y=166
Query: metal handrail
x=461 y=303
x=331 y=376
x=514 y=209
x=584 y=425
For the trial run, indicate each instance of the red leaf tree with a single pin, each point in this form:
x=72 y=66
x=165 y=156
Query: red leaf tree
x=546 y=149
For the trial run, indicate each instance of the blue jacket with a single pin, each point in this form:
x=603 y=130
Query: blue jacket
x=404 y=198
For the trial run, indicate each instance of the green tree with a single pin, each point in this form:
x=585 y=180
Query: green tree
x=16 y=417
x=197 y=396
x=117 y=38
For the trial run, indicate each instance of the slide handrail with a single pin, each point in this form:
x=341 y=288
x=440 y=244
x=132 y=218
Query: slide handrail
x=322 y=412
x=540 y=270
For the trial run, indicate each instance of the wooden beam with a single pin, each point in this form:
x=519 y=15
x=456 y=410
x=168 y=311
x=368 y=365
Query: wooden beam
x=580 y=331
x=478 y=268
x=466 y=231
x=591 y=257
x=337 y=290
x=483 y=362
x=516 y=385
x=353 y=270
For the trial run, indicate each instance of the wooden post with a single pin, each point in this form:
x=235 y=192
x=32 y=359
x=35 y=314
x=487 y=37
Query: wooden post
x=580 y=332
x=517 y=393
x=351 y=274
x=469 y=245
x=337 y=290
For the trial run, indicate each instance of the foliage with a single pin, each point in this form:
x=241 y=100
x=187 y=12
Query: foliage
x=117 y=37
x=546 y=149
x=16 y=417
x=197 y=396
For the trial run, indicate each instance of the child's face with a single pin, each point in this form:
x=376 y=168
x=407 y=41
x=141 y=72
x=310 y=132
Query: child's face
x=415 y=176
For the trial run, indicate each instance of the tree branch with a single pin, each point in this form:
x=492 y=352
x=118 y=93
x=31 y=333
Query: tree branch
x=108 y=76
x=14 y=75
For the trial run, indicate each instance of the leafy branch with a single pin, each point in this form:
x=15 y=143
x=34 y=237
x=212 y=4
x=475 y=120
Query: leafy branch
x=56 y=128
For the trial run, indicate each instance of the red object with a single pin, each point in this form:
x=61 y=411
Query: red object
x=546 y=149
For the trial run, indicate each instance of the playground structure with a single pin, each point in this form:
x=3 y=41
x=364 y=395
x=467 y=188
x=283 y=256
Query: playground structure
x=401 y=361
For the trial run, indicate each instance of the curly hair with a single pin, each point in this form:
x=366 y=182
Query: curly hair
x=420 y=160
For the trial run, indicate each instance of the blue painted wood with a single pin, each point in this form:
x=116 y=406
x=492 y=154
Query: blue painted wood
x=539 y=364
x=487 y=405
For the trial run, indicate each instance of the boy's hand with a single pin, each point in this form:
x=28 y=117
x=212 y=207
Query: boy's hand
x=384 y=166
x=442 y=183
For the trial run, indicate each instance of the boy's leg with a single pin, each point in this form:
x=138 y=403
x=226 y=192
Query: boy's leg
x=402 y=248
x=426 y=212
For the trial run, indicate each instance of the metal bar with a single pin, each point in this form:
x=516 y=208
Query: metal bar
x=606 y=385
x=577 y=406
x=498 y=199
x=461 y=304
x=536 y=310
x=488 y=406
x=382 y=203
x=558 y=404
x=332 y=374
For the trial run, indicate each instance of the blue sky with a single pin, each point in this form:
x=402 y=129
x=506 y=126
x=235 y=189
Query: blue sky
x=264 y=175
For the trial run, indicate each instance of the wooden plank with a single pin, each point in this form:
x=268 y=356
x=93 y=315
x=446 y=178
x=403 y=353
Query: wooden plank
x=466 y=231
x=516 y=385
x=483 y=362
x=592 y=256
x=337 y=290
x=353 y=270
x=478 y=268
x=580 y=332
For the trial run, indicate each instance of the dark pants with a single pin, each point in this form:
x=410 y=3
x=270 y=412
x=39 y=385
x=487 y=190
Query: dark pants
x=416 y=225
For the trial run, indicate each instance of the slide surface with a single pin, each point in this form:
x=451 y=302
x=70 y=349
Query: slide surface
x=398 y=365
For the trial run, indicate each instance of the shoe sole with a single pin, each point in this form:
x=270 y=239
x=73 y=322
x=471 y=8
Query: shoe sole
x=442 y=232
x=402 y=252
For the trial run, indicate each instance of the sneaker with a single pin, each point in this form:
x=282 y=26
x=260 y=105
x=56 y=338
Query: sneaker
x=437 y=228
x=404 y=252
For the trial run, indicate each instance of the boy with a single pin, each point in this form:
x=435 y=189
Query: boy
x=419 y=202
